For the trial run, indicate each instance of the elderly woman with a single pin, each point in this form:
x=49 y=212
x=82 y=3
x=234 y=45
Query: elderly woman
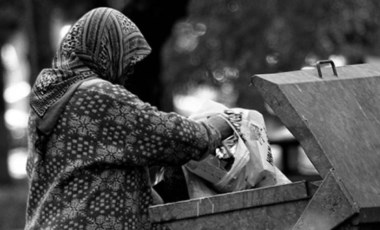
x=91 y=140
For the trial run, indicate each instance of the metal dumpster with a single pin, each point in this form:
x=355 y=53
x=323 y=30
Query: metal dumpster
x=335 y=115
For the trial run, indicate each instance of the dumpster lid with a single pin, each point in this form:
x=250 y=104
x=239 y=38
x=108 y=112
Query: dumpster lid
x=336 y=119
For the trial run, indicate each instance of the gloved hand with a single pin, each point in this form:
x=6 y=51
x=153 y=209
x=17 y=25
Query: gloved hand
x=219 y=122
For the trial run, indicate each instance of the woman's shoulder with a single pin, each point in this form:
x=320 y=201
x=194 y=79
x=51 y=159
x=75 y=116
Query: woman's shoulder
x=105 y=89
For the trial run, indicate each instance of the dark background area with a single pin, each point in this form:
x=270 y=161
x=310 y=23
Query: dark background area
x=200 y=48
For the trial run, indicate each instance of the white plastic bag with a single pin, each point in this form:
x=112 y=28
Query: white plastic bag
x=253 y=163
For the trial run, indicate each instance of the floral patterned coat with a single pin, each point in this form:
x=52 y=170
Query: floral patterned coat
x=92 y=173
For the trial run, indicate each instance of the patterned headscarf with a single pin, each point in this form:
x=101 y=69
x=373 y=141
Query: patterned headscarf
x=103 y=43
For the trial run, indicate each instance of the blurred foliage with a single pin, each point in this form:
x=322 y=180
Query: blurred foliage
x=10 y=21
x=224 y=42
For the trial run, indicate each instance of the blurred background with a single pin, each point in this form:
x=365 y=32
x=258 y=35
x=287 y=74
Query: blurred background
x=202 y=50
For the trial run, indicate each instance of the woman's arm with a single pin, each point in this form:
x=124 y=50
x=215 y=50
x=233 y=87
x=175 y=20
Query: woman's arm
x=135 y=133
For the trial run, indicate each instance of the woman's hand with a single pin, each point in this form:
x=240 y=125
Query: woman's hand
x=220 y=123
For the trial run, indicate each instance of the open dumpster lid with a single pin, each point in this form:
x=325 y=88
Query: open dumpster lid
x=335 y=115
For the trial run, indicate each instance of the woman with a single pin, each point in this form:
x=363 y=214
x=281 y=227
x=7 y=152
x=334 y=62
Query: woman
x=91 y=140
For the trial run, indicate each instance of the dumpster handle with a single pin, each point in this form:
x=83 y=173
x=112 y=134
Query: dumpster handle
x=319 y=63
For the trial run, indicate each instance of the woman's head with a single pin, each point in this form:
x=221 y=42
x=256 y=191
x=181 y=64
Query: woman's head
x=105 y=41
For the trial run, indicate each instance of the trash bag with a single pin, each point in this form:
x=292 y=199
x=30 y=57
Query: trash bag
x=244 y=161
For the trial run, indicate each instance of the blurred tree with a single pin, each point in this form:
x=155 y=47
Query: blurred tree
x=4 y=135
x=9 y=23
x=38 y=31
x=224 y=42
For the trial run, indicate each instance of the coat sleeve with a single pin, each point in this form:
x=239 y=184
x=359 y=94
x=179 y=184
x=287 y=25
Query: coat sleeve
x=135 y=133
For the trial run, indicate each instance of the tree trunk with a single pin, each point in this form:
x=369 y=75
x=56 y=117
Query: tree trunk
x=4 y=134
x=155 y=19
x=38 y=28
